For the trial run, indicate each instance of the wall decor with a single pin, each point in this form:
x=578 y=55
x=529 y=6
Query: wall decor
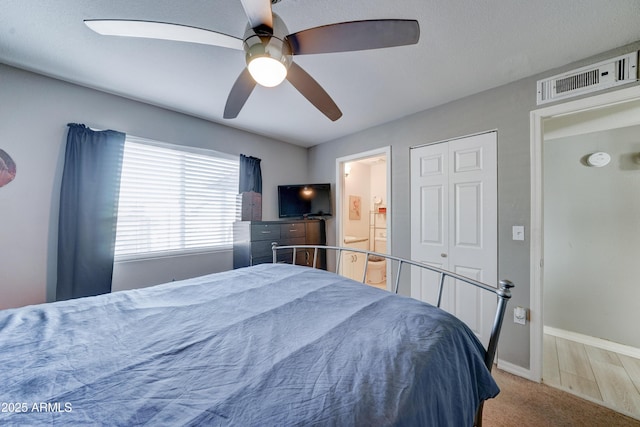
x=355 y=203
x=7 y=168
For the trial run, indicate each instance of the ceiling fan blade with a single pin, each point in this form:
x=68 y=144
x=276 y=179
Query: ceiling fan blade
x=355 y=35
x=310 y=89
x=239 y=94
x=162 y=31
x=258 y=12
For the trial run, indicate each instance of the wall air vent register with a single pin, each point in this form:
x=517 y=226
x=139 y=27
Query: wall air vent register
x=613 y=72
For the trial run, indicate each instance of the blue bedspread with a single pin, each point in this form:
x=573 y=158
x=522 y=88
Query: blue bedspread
x=270 y=345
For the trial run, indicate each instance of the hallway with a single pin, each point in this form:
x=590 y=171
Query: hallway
x=601 y=376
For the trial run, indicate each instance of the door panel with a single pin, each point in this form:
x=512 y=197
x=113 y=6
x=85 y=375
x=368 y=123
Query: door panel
x=431 y=199
x=467 y=160
x=454 y=208
x=468 y=302
x=425 y=283
x=468 y=214
x=430 y=211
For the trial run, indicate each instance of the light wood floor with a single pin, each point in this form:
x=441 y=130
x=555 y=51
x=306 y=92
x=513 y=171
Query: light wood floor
x=604 y=377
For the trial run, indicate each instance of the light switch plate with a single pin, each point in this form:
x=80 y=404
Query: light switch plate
x=518 y=232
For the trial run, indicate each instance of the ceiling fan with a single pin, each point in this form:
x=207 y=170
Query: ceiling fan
x=269 y=48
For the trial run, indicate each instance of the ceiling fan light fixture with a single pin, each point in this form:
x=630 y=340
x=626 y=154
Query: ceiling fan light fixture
x=268 y=53
x=267 y=71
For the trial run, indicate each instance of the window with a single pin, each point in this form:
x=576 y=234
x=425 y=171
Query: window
x=175 y=199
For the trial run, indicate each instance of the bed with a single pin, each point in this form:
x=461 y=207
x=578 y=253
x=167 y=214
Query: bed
x=272 y=344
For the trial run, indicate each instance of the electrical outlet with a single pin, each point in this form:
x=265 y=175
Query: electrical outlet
x=517 y=232
x=520 y=315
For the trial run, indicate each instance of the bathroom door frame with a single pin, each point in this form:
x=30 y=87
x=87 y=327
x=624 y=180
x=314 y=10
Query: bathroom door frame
x=340 y=183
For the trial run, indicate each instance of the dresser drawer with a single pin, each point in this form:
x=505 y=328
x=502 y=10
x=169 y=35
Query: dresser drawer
x=269 y=232
x=288 y=231
x=261 y=248
x=284 y=257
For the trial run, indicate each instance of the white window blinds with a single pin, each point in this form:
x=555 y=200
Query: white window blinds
x=175 y=199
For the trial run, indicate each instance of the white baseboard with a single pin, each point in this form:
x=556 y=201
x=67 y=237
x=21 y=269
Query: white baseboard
x=514 y=369
x=593 y=341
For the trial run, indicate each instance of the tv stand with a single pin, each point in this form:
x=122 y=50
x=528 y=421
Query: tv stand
x=252 y=241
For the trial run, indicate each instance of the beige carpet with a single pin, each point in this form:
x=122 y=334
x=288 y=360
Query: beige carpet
x=523 y=403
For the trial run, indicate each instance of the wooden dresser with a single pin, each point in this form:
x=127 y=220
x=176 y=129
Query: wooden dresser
x=252 y=241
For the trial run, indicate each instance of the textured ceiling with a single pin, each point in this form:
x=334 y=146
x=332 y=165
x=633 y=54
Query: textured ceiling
x=466 y=46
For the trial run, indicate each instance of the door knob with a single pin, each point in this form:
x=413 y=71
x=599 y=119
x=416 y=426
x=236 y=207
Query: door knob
x=443 y=255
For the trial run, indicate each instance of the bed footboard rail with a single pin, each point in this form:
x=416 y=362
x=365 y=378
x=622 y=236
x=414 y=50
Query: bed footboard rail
x=502 y=292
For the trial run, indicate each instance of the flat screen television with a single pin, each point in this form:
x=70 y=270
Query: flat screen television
x=304 y=200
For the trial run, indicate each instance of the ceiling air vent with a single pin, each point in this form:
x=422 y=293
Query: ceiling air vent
x=603 y=75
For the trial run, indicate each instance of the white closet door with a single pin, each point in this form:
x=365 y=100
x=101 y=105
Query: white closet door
x=454 y=224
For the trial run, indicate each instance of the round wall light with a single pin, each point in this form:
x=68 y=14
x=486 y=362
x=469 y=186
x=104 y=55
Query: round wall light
x=598 y=159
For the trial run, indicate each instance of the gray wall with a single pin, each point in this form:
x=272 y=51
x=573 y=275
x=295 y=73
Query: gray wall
x=592 y=236
x=506 y=109
x=34 y=112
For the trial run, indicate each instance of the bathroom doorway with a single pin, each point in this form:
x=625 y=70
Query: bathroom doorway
x=363 y=207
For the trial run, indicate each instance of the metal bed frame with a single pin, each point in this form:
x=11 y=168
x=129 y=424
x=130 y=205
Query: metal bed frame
x=503 y=292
